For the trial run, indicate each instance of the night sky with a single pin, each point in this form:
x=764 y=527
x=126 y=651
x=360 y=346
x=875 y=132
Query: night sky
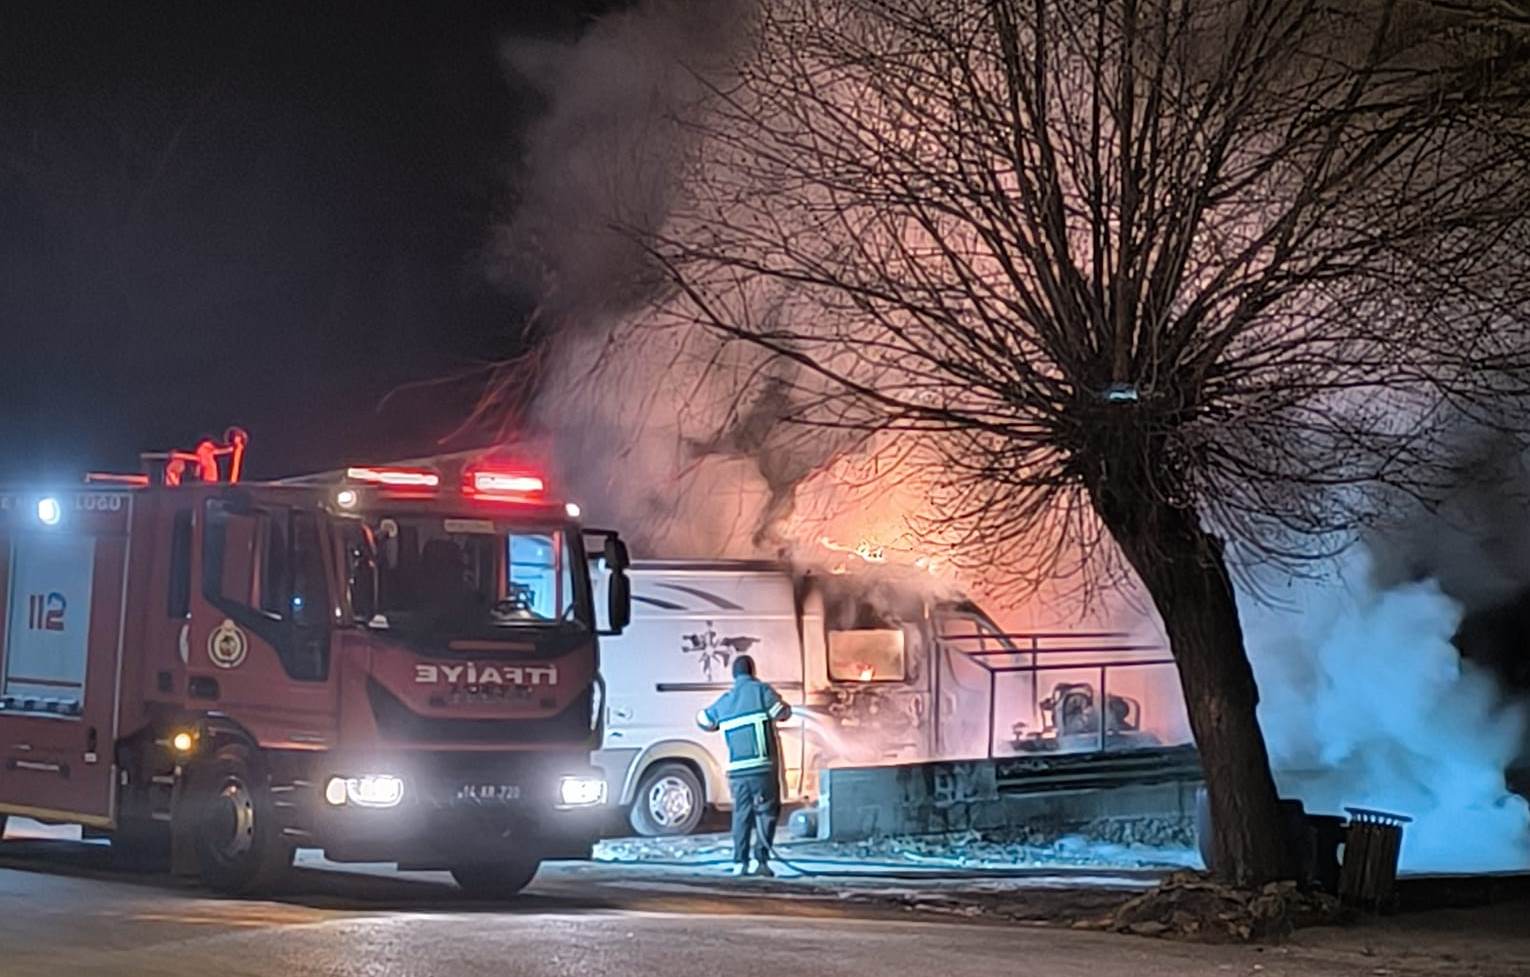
x=269 y=215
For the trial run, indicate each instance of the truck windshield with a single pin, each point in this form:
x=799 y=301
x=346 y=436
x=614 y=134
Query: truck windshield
x=462 y=576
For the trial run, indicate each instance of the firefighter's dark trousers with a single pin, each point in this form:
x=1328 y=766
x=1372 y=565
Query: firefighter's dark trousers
x=756 y=809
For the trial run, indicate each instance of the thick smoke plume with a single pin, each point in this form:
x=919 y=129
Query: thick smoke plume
x=690 y=445
x=685 y=443
x=1367 y=703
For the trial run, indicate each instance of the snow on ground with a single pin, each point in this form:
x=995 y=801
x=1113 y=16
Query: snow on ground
x=26 y=828
x=962 y=852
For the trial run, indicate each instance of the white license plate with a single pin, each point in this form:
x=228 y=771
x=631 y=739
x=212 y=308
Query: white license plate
x=489 y=792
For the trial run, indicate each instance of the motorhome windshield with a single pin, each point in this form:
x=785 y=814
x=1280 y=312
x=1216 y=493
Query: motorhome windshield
x=438 y=574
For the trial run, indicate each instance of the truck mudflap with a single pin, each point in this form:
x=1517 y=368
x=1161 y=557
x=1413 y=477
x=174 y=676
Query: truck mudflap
x=437 y=811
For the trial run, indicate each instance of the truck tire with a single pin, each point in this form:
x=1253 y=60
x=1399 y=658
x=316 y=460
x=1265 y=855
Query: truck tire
x=2 y=826
x=670 y=801
x=502 y=879
x=240 y=846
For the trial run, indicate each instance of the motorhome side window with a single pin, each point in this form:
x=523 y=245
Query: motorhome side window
x=867 y=643
x=867 y=655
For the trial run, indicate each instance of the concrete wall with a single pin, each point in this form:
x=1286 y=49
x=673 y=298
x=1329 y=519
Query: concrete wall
x=1045 y=795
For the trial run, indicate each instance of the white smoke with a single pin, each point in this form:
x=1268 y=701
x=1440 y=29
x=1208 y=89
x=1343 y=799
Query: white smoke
x=1365 y=702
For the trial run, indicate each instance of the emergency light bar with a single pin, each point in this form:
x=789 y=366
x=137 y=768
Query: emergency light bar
x=503 y=485
x=506 y=483
x=400 y=477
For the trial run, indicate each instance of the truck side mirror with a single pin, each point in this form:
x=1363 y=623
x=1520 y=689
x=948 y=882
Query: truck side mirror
x=613 y=553
x=619 y=610
x=364 y=591
x=616 y=554
x=363 y=580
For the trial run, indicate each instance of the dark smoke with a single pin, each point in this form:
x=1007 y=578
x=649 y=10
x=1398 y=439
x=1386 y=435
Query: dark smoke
x=687 y=445
x=600 y=167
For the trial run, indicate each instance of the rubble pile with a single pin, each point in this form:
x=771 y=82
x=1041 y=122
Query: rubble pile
x=1192 y=906
x=1151 y=832
x=1104 y=845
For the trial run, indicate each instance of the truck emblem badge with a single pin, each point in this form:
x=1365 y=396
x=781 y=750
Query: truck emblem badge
x=226 y=646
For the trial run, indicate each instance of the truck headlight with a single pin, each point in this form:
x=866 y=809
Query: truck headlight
x=582 y=791
x=372 y=790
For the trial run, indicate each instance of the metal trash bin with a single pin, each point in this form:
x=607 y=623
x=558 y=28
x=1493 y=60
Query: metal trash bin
x=1372 y=844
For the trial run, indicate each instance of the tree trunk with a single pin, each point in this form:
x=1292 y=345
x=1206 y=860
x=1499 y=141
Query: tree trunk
x=1183 y=569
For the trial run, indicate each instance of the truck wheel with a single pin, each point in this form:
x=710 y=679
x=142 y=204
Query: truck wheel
x=2 y=825
x=670 y=801
x=240 y=847
x=496 y=879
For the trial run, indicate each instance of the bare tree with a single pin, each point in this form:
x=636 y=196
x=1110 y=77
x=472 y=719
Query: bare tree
x=1147 y=278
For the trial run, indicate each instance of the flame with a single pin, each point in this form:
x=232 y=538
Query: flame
x=869 y=551
x=866 y=550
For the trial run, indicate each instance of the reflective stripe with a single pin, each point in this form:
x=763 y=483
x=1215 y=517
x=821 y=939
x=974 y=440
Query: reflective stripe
x=757 y=718
x=778 y=708
x=757 y=754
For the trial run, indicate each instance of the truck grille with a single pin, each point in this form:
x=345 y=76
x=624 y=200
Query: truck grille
x=396 y=721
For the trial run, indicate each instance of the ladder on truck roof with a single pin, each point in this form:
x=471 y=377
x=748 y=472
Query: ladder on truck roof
x=209 y=461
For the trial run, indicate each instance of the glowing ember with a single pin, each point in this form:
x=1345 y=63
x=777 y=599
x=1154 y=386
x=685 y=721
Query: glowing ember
x=866 y=550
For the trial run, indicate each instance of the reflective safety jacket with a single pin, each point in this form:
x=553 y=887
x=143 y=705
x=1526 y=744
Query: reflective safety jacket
x=746 y=714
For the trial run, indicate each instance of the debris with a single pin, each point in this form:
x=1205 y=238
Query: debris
x=1192 y=906
x=1117 y=843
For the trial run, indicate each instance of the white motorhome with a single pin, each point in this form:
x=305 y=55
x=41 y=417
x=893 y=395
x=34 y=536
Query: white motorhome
x=876 y=670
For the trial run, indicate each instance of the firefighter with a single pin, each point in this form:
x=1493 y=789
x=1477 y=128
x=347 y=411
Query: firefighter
x=747 y=715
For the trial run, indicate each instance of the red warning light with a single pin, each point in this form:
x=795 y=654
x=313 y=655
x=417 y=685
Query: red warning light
x=397 y=477
x=506 y=483
x=503 y=485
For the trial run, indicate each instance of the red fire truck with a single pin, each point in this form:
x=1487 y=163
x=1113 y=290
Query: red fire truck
x=389 y=663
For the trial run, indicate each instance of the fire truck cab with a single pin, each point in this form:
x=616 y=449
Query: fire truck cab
x=392 y=664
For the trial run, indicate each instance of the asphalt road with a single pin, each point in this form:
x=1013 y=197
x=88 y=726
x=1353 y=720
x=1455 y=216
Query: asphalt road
x=64 y=912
